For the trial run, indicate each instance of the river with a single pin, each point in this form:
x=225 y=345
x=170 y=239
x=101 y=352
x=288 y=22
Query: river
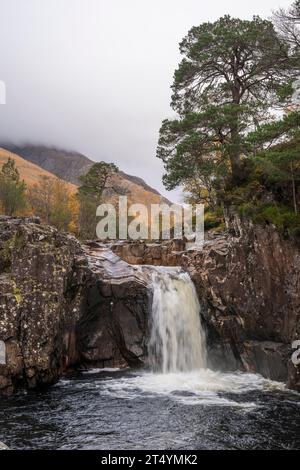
x=176 y=403
x=125 y=410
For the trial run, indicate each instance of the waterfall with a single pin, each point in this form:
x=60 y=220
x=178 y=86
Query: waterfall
x=177 y=341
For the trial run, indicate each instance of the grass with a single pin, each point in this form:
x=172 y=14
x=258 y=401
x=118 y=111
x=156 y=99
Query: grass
x=282 y=217
x=214 y=220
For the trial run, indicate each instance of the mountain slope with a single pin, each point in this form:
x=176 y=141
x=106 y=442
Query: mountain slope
x=68 y=165
x=29 y=172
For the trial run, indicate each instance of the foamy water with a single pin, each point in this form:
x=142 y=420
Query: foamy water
x=99 y=370
x=177 y=341
x=116 y=409
x=201 y=387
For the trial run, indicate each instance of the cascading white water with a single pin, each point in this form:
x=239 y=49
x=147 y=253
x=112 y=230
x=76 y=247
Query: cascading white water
x=177 y=341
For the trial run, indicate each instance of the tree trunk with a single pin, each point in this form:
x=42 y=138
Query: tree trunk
x=234 y=153
x=235 y=156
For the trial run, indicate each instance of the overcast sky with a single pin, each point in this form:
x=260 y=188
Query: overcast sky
x=95 y=75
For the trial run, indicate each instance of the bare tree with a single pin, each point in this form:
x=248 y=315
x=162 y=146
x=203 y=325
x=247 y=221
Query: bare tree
x=50 y=199
x=287 y=23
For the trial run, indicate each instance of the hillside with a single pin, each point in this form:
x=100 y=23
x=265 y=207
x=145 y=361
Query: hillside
x=67 y=165
x=29 y=172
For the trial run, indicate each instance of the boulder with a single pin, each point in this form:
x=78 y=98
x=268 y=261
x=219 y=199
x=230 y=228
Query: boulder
x=3 y=446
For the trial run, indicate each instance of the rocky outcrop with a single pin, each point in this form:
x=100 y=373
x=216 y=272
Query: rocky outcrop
x=35 y=262
x=62 y=306
x=112 y=298
x=167 y=253
x=248 y=284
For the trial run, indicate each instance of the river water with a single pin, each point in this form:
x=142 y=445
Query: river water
x=176 y=404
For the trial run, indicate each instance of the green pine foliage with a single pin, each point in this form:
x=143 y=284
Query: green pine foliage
x=12 y=189
x=90 y=195
x=236 y=138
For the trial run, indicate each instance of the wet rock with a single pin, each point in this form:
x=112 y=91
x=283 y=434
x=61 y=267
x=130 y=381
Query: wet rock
x=6 y=386
x=114 y=309
x=167 y=253
x=3 y=446
x=248 y=283
x=62 y=306
x=267 y=357
x=35 y=262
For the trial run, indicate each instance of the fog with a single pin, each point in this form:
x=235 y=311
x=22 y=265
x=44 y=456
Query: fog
x=95 y=75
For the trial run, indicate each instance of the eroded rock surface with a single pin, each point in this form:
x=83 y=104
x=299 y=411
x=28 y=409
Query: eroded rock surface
x=62 y=306
x=167 y=253
x=35 y=262
x=113 y=300
x=249 y=288
x=248 y=283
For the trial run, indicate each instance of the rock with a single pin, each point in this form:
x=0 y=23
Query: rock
x=62 y=306
x=293 y=376
x=20 y=220
x=35 y=262
x=6 y=386
x=269 y=358
x=167 y=253
x=3 y=446
x=248 y=283
x=114 y=311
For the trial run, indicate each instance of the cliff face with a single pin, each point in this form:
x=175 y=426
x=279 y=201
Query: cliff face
x=63 y=305
x=34 y=264
x=249 y=286
x=112 y=298
x=59 y=307
x=248 y=283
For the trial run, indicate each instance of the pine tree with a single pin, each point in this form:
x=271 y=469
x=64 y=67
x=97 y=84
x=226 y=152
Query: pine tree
x=233 y=73
x=12 y=189
x=90 y=195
